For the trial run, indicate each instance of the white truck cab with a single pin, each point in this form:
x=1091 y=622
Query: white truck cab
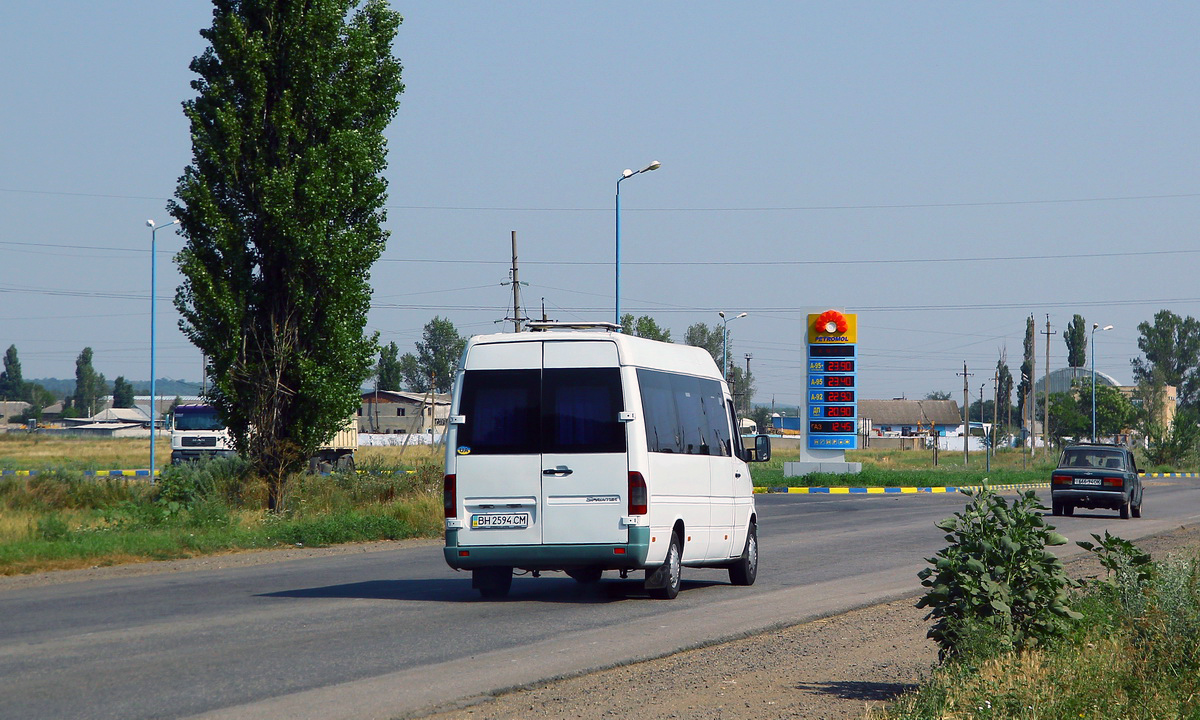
x=581 y=449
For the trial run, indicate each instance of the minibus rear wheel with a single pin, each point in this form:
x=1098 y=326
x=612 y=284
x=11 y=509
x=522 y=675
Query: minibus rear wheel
x=673 y=568
x=745 y=570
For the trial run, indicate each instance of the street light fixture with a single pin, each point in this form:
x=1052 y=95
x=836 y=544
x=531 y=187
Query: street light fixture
x=1094 y=327
x=153 y=332
x=725 y=342
x=624 y=176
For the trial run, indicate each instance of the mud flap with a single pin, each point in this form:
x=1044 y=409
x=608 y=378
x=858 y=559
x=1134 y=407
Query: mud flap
x=658 y=578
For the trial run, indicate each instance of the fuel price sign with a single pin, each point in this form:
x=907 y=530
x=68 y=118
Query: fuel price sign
x=832 y=381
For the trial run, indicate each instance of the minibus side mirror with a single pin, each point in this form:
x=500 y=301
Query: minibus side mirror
x=761 y=452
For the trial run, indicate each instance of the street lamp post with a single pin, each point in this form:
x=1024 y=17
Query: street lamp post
x=624 y=176
x=153 y=332
x=725 y=342
x=1094 y=327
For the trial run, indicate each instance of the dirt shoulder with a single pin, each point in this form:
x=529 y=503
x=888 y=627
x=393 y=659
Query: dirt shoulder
x=834 y=668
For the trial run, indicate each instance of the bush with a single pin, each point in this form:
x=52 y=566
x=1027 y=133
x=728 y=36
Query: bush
x=996 y=587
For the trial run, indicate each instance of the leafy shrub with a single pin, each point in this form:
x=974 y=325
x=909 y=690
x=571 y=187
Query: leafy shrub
x=52 y=527
x=221 y=477
x=996 y=587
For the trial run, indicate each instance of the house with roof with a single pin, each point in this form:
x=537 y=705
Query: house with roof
x=908 y=418
x=399 y=412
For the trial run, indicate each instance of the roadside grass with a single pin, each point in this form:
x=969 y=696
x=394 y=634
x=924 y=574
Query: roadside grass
x=908 y=468
x=63 y=520
x=1135 y=655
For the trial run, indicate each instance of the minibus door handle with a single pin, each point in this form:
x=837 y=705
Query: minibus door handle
x=560 y=470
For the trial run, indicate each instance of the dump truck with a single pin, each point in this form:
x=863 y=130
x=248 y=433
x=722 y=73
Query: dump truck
x=197 y=433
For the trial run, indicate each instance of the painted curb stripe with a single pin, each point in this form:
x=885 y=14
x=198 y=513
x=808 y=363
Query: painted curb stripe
x=890 y=490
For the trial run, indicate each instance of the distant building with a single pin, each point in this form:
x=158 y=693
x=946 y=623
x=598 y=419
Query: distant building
x=398 y=412
x=911 y=417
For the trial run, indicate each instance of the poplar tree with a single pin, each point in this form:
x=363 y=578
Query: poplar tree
x=1027 y=371
x=90 y=386
x=281 y=209
x=432 y=367
x=1075 y=336
x=12 y=387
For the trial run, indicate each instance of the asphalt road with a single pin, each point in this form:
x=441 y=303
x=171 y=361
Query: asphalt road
x=387 y=634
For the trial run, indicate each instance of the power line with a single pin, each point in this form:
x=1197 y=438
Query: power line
x=774 y=208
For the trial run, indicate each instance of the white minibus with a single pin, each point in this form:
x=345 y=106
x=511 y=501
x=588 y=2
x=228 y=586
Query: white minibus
x=580 y=449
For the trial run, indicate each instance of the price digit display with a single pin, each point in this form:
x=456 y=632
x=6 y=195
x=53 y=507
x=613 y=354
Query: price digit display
x=838 y=396
x=829 y=427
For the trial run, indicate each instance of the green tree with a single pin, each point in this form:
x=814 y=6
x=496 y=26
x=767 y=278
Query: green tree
x=90 y=386
x=122 y=393
x=644 y=327
x=437 y=355
x=1114 y=411
x=388 y=371
x=1167 y=442
x=12 y=387
x=1004 y=390
x=282 y=209
x=1075 y=336
x=938 y=395
x=709 y=338
x=1171 y=345
x=1066 y=418
x=741 y=385
x=1026 y=367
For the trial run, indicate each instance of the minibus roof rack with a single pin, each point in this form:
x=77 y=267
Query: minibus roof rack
x=542 y=325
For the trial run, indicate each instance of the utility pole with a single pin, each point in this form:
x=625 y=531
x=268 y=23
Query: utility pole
x=995 y=412
x=1046 y=400
x=987 y=450
x=1032 y=399
x=966 y=414
x=746 y=390
x=517 y=318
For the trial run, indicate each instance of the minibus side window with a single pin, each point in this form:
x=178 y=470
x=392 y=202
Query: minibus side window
x=714 y=412
x=658 y=405
x=580 y=408
x=738 y=451
x=502 y=412
x=690 y=407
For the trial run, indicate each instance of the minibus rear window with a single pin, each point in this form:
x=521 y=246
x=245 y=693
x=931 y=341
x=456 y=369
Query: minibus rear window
x=502 y=411
x=580 y=408
x=525 y=412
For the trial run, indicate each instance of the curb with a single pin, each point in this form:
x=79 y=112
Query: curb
x=87 y=473
x=891 y=490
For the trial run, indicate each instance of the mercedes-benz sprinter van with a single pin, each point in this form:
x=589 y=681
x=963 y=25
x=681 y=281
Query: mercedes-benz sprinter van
x=580 y=449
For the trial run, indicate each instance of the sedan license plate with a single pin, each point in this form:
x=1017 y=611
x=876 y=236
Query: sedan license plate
x=1088 y=481
x=488 y=521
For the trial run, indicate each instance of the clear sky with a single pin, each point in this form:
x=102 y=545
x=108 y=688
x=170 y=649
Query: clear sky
x=942 y=169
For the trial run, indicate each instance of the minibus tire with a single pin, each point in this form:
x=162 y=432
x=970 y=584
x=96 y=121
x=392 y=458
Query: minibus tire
x=673 y=567
x=492 y=582
x=745 y=570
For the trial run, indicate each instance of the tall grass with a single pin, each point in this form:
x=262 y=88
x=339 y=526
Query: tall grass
x=63 y=520
x=1134 y=655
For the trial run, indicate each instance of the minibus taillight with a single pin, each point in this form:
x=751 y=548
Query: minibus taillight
x=450 y=496
x=637 y=494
